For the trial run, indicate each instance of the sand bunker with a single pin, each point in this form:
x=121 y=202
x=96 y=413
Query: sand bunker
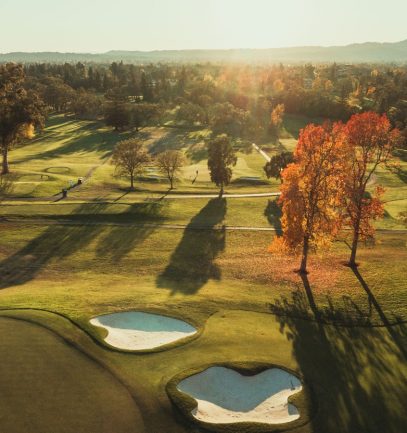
x=225 y=396
x=135 y=330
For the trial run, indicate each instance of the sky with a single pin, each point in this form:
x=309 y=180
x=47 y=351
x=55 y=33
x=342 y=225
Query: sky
x=103 y=25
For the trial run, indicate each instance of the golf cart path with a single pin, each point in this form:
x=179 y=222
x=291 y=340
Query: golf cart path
x=262 y=152
x=163 y=197
x=67 y=222
x=256 y=194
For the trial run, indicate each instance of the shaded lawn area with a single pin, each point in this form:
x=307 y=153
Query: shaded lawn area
x=357 y=373
x=252 y=305
x=48 y=386
x=66 y=267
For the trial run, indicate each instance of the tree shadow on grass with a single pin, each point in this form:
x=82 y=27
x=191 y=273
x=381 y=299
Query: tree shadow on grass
x=192 y=263
x=53 y=244
x=357 y=373
x=117 y=241
x=401 y=343
x=86 y=139
x=274 y=214
x=60 y=241
x=172 y=140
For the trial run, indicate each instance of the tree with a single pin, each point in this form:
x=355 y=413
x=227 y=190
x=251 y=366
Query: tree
x=117 y=114
x=130 y=158
x=277 y=164
x=276 y=121
x=310 y=193
x=57 y=94
x=221 y=157
x=191 y=113
x=227 y=119
x=370 y=142
x=170 y=163
x=86 y=105
x=142 y=113
x=20 y=110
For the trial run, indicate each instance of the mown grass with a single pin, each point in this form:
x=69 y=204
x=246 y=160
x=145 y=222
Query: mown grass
x=342 y=330
x=251 y=305
x=49 y=386
x=68 y=149
x=356 y=372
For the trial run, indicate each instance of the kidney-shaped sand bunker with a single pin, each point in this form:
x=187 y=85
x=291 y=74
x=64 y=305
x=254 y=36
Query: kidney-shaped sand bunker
x=225 y=396
x=136 y=330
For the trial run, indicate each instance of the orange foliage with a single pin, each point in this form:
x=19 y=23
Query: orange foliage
x=369 y=141
x=311 y=192
x=276 y=118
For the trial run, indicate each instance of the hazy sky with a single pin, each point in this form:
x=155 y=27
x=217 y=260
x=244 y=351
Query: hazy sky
x=102 y=25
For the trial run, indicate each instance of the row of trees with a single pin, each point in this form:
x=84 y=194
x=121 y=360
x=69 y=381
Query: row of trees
x=331 y=91
x=325 y=188
x=131 y=158
x=21 y=110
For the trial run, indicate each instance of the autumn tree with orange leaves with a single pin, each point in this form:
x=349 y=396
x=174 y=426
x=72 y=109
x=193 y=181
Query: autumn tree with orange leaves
x=276 y=121
x=311 y=193
x=369 y=142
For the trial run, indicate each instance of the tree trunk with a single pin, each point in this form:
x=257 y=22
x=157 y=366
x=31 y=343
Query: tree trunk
x=5 y=168
x=221 y=191
x=171 y=183
x=132 y=181
x=352 y=260
x=304 y=258
x=355 y=240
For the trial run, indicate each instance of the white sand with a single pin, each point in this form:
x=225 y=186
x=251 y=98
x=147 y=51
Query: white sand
x=135 y=330
x=225 y=396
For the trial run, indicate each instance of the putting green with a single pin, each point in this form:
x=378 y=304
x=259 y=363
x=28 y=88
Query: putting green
x=48 y=387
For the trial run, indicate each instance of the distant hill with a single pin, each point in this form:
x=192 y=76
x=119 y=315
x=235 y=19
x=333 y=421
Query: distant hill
x=355 y=53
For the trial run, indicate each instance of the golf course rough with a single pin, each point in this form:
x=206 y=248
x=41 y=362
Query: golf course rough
x=240 y=397
x=142 y=331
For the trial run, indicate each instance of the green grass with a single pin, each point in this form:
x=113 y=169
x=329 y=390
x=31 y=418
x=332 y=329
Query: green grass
x=68 y=149
x=53 y=387
x=359 y=373
x=226 y=283
x=97 y=252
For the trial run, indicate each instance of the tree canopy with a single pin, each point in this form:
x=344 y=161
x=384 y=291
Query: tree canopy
x=20 y=110
x=170 y=163
x=221 y=159
x=370 y=141
x=310 y=193
x=277 y=164
x=130 y=158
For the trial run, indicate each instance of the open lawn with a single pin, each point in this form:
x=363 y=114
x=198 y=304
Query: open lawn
x=204 y=260
x=68 y=149
x=251 y=306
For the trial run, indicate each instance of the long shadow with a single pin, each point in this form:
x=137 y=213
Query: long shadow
x=356 y=374
x=116 y=242
x=173 y=140
x=88 y=138
x=402 y=345
x=274 y=214
x=192 y=263
x=53 y=244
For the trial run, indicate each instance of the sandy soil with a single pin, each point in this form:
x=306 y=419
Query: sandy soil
x=225 y=396
x=135 y=330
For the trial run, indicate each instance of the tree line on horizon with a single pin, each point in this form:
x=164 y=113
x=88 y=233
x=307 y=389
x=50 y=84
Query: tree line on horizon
x=324 y=183
x=201 y=93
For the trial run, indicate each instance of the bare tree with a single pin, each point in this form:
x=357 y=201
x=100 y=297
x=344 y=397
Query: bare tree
x=169 y=163
x=130 y=158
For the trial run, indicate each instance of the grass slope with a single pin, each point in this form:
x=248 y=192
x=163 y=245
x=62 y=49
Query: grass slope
x=48 y=386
